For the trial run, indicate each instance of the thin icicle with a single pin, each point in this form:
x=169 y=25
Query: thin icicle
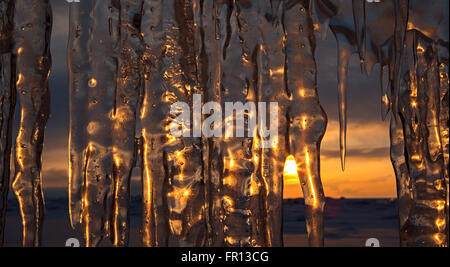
x=401 y=12
x=348 y=41
x=344 y=53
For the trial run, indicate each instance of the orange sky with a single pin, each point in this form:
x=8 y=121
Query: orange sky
x=369 y=175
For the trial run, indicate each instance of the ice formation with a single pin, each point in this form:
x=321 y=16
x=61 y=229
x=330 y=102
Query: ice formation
x=409 y=39
x=130 y=60
x=25 y=67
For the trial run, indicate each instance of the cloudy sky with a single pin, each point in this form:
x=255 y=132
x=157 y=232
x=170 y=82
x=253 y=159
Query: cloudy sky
x=368 y=173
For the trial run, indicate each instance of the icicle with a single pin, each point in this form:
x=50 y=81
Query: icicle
x=421 y=186
x=321 y=12
x=401 y=11
x=78 y=62
x=7 y=105
x=240 y=188
x=273 y=89
x=173 y=192
x=32 y=26
x=359 y=16
x=105 y=79
x=215 y=16
x=99 y=81
x=307 y=119
x=341 y=26
x=128 y=86
x=344 y=53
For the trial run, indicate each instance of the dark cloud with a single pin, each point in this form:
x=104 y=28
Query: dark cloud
x=381 y=152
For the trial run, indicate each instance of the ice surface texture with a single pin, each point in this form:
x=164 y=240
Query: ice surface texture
x=25 y=28
x=131 y=60
x=409 y=39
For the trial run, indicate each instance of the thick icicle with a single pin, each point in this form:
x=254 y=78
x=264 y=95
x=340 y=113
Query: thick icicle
x=32 y=29
x=419 y=104
x=173 y=191
x=214 y=22
x=105 y=79
x=7 y=104
x=126 y=99
x=272 y=88
x=239 y=187
x=307 y=119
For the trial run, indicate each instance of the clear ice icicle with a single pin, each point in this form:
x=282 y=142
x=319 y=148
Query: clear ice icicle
x=172 y=173
x=32 y=29
x=307 y=120
x=105 y=51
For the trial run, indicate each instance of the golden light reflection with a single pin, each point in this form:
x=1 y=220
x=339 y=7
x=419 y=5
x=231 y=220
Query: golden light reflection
x=19 y=79
x=308 y=173
x=92 y=82
x=420 y=49
x=230 y=181
x=440 y=223
x=170 y=138
x=186 y=193
x=438 y=239
x=440 y=205
x=290 y=168
x=147 y=175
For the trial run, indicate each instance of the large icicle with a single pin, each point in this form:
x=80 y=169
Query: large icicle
x=272 y=88
x=236 y=199
x=32 y=29
x=307 y=119
x=105 y=49
x=7 y=104
x=172 y=175
x=419 y=106
x=214 y=16
x=126 y=99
